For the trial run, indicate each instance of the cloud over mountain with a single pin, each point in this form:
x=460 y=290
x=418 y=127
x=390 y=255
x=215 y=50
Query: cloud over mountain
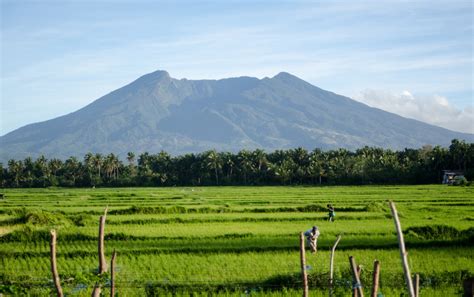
x=435 y=109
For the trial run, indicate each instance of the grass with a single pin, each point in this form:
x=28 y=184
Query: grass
x=229 y=241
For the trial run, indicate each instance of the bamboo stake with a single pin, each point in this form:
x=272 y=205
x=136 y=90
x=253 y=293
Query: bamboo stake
x=375 y=280
x=355 y=275
x=417 y=285
x=102 y=261
x=403 y=252
x=97 y=290
x=303 y=266
x=54 y=268
x=112 y=272
x=331 y=265
x=355 y=292
x=101 y=249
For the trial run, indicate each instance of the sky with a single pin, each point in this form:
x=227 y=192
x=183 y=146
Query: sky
x=413 y=58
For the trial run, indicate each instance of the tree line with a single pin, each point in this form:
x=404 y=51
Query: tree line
x=367 y=165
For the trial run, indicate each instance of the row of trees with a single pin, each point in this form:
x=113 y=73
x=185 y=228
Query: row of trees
x=298 y=166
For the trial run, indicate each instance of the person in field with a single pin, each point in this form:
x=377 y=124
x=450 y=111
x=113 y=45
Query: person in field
x=312 y=237
x=331 y=213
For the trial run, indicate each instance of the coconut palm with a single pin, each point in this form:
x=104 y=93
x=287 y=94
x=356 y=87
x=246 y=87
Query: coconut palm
x=214 y=162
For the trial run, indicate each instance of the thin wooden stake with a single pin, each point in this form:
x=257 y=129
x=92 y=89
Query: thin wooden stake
x=403 y=252
x=417 y=285
x=331 y=266
x=112 y=272
x=101 y=249
x=375 y=279
x=97 y=290
x=54 y=268
x=303 y=266
x=354 y=290
x=355 y=276
x=102 y=261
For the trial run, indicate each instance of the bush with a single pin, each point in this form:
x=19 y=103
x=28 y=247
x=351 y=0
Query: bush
x=460 y=181
x=434 y=232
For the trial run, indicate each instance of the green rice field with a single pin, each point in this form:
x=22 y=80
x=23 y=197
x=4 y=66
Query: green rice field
x=234 y=241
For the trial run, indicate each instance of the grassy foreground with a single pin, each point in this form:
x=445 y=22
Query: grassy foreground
x=234 y=241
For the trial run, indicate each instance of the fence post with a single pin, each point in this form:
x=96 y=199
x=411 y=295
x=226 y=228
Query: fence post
x=417 y=285
x=303 y=265
x=331 y=265
x=403 y=252
x=54 y=268
x=102 y=261
x=355 y=276
x=112 y=272
x=375 y=280
x=355 y=291
x=101 y=249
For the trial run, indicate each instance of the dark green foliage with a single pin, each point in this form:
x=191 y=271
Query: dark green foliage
x=439 y=232
x=27 y=233
x=368 y=165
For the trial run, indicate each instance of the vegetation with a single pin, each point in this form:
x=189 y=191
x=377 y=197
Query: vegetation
x=283 y=167
x=233 y=241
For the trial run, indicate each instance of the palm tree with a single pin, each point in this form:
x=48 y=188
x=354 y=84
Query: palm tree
x=228 y=162
x=284 y=170
x=245 y=163
x=41 y=165
x=131 y=163
x=73 y=169
x=316 y=167
x=214 y=162
x=111 y=166
x=97 y=162
x=15 y=169
x=89 y=163
x=54 y=166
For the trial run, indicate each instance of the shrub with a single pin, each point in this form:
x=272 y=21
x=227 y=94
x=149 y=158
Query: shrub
x=434 y=232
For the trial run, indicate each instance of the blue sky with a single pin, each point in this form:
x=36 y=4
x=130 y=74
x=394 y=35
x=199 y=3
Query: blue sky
x=414 y=58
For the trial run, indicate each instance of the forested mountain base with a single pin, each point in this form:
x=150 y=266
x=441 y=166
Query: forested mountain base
x=283 y=167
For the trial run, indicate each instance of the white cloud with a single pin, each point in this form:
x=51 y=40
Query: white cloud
x=433 y=109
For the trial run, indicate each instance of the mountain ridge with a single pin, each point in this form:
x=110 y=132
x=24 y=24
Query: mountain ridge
x=157 y=112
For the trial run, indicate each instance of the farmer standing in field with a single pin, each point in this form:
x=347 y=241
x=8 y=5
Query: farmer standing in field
x=331 y=213
x=312 y=236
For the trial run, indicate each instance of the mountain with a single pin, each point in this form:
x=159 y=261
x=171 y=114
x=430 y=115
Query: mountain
x=157 y=112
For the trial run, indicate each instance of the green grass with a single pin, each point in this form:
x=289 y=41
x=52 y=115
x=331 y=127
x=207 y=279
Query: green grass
x=234 y=241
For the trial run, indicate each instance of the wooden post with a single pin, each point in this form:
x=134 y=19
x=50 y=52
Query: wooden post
x=101 y=249
x=375 y=279
x=355 y=276
x=112 y=273
x=303 y=266
x=331 y=265
x=102 y=261
x=354 y=290
x=403 y=252
x=417 y=285
x=54 y=268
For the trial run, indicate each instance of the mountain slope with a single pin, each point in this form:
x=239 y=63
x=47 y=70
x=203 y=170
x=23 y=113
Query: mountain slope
x=157 y=112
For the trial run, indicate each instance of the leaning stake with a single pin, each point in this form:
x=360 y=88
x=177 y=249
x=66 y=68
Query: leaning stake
x=403 y=252
x=355 y=290
x=54 y=268
x=303 y=266
x=331 y=265
x=102 y=261
x=355 y=276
